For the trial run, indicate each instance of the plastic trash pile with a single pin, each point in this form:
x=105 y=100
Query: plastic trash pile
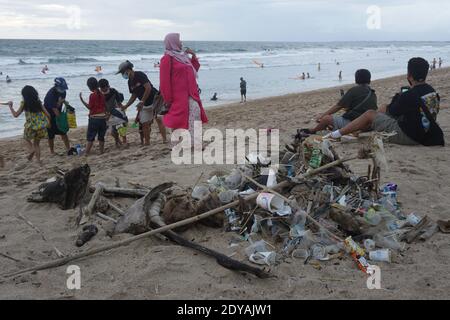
x=355 y=216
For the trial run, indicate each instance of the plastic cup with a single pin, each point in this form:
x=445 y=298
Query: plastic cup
x=413 y=219
x=369 y=245
x=302 y=254
x=319 y=252
x=200 y=192
x=380 y=255
x=270 y=202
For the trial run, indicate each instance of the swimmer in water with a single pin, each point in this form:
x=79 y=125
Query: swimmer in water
x=214 y=98
x=8 y=79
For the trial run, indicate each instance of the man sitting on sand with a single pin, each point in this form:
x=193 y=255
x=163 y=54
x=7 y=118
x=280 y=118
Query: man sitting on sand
x=411 y=115
x=356 y=102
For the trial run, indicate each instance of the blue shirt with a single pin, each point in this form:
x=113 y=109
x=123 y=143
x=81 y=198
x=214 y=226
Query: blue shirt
x=51 y=100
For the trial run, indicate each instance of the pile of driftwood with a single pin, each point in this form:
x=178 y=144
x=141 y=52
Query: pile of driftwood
x=316 y=184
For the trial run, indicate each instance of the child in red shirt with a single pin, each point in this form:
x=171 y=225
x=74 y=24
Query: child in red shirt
x=97 y=116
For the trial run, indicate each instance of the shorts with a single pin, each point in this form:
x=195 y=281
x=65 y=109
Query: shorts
x=340 y=122
x=31 y=134
x=53 y=130
x=243 y=92
x=385 y=123
x=96 y=128
x=146 y=115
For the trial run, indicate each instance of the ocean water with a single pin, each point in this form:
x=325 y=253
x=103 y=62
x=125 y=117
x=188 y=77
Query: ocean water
x=223 y=63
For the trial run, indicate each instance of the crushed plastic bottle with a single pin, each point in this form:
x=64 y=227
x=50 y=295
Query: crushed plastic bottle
x=316 y=158
x=228 y=196
x=373 y=217
x=389 y=242
x=413 y=220
x=380 y=255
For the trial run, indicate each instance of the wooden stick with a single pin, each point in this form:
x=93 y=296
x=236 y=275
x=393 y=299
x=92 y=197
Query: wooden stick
x=125 y=193
x=115 y=208
x=223 y=260
x=105 y=217
x=9 y=257
x=90 y=208
x=28 y=222
x=198 y=181
x=183 y=223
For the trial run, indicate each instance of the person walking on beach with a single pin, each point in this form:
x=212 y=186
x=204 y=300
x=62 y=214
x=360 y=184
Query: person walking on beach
x=141 y=88
x=440 y=63
x=36 y=123
x=53 y=102
x=97 y=126
x=179 y=88
x=434 y=63
x=243 y=90
x=356 y=102
x=340 y=75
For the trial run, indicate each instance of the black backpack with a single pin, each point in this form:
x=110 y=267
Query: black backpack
x=434 y=136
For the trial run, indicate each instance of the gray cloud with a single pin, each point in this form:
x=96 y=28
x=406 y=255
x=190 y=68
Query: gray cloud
x=272 y=20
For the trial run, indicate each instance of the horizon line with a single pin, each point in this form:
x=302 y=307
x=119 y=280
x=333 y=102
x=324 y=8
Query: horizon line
x=268 y=41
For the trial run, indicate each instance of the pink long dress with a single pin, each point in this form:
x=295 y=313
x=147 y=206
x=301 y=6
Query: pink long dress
x=178 y=86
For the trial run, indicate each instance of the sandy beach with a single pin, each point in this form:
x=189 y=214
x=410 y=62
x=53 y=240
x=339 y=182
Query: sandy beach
x=153 y=269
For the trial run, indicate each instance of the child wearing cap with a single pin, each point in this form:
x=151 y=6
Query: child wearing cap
x=97 y=126
x=117 y=118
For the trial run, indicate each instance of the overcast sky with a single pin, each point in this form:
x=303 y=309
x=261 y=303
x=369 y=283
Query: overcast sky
x=241 y=20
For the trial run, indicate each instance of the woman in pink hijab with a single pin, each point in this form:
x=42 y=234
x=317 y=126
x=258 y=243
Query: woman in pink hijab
x=178 y=86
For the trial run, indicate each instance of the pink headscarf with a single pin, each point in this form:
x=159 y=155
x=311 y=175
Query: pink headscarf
x=174 y=49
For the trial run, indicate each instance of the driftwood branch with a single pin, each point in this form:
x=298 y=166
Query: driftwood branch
x=88 y=211
x=123 y=192
x=9 y=257
x=223 y=260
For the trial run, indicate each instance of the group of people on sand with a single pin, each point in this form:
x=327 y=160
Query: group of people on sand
x=178 y=89
x=410 y=118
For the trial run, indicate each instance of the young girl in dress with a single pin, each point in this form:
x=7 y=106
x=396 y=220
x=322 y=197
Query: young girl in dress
x=36 y=123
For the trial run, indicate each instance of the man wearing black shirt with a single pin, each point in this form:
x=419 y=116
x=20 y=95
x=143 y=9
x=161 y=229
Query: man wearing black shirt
x=411 y=114
x=141 y=88
x=355 y=102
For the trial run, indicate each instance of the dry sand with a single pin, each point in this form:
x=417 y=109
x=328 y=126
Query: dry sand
x=152 y=269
